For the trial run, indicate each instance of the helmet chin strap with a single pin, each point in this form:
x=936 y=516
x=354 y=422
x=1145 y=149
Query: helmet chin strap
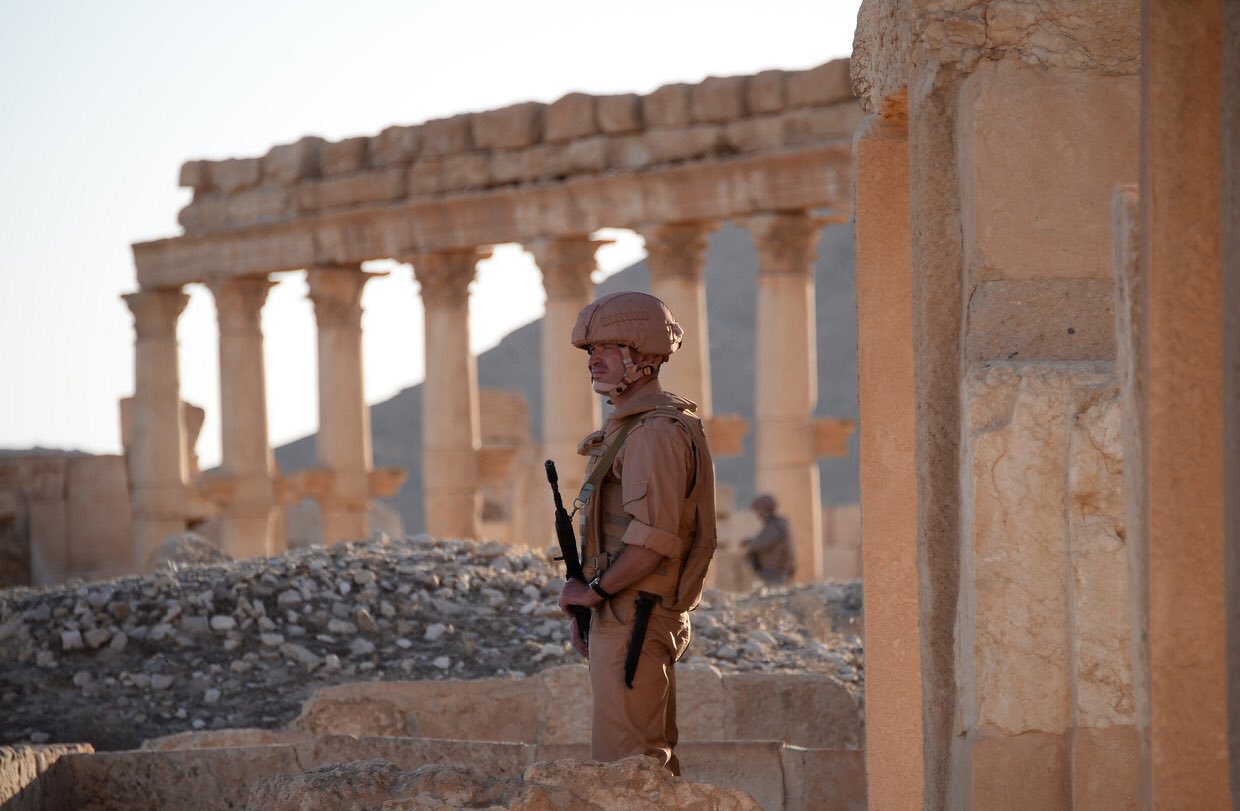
x=632 y=373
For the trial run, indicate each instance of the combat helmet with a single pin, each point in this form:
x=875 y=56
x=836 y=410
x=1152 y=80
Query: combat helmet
x=634 y=322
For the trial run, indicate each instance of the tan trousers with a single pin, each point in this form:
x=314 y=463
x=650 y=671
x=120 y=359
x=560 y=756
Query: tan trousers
x=640 y=721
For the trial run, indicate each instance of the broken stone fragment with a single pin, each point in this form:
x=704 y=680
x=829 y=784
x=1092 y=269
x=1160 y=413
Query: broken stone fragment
x=71 y=640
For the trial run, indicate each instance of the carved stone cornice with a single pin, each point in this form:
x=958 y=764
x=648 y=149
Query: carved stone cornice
x=336 y=291
x=785 y=242
x=445 y=277
x=155 y=312
x=566 y=264
x=677 y=250
x=239 y=303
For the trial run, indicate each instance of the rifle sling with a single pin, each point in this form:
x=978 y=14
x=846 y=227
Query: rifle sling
x=604 y=464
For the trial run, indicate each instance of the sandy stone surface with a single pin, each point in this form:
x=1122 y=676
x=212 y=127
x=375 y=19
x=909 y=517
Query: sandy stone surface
x=242 y=645
x=636 y=783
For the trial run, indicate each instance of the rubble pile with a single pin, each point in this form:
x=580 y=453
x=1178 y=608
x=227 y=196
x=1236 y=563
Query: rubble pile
x=243 y=644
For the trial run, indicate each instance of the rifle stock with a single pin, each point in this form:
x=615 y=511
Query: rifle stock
x=568 y=549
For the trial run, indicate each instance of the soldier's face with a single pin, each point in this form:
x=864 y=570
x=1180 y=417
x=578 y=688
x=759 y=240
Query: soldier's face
x=606 y=365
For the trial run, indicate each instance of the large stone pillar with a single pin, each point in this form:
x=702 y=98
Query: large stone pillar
x=451 y=431
x=248 y=522
x=787 y=378
x=886 y=397
x=1184 y=714
x=570 y=409
x=157 y=464
x=676 y=253
x=342 y=446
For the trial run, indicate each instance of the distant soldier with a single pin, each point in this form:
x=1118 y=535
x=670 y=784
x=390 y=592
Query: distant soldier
x=648 y=528
x=770 y=551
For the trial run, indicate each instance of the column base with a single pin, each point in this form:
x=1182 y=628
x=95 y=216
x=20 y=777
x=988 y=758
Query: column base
x=452 y=513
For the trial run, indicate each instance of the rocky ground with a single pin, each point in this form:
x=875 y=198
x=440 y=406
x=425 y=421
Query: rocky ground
x=242 y=644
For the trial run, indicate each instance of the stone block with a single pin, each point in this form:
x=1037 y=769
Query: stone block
x=1036 y=201
x=823 y=779
x=1031 y=766
x=512 y=127
x=446 y=136
x=195 y=175
x=344 y=157
x=189 y=780
x=489 y=758
x=810 y=709
x=226 y=739
x=562 y=751
x=584 y=155
x=814 y=125
x=620 y=114
x=1100 y=594
x=1105 y=768
x=842 y=525
x=523 y=165
x=1041 y=320
x=479 y=710
x=394 y=146
x=820 y=86
x=570 y=117
x=288 y=163
x=765 y=92
x=206 y=213
x=667 y=107
x=555 y=686
x=264 y=204
x=98 y=486
x=717 y=99
x=755 y=134
x=351 y=709
x=32 y=778
x=629 y=154
x=50 y=556
x=1020 y=421
x=752 y=766
x=360 y=188
x=683 y=143
x=41 y=478
x=235 y=174
x=700 y=704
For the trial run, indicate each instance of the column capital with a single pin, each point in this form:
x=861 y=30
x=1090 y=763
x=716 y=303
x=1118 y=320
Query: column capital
x=445 y=276
x=678 y=249
x=155 y=312
x=566 y=264
x=239 y=301
x=785 y=242
x=336 y=291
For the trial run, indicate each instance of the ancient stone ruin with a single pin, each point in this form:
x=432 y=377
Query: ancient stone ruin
x=1047 y=227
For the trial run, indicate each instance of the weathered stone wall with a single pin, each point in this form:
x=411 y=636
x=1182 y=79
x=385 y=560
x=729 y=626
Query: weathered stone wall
x=67 y=516
x=809 y=710
x=779 y=777
x=1020 y=119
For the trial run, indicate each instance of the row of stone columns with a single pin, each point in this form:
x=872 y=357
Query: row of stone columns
x=786 y=386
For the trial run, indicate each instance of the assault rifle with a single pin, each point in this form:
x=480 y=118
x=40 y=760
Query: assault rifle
x=568 y=550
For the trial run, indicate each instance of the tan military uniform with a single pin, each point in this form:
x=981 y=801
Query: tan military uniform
x=771 y=551
x=660 y=495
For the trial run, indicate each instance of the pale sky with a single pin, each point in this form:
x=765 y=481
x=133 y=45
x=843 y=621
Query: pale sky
x=101 y=103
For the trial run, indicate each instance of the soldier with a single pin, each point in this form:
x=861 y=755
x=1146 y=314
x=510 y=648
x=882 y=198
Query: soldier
x=770 y=551
x=648 y=528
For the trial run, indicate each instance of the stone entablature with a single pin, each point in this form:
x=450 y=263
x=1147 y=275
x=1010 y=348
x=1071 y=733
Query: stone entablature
x=721 y=149
x=579 y=135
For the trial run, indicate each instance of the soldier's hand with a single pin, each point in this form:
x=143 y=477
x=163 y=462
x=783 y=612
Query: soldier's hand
x=577 y=593
x=578 y=644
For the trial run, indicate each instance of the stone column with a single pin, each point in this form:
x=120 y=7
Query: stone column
x=342 y=446
x=886 y=397
x=1183 y=717
x=676 y=253
x=248 y=523
x=451 y=431
x=570 y=408
x=786 y=378
x=157 y=465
